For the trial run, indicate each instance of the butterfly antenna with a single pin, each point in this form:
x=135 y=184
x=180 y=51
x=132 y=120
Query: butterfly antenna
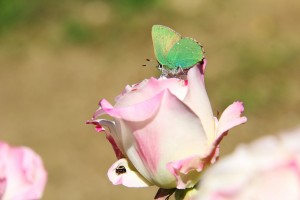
x=148 y=60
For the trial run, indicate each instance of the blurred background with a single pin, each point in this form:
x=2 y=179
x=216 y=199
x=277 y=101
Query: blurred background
x=59 y=58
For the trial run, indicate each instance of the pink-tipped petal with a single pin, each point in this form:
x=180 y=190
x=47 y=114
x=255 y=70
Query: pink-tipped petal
x=98 y=126
x=127 y=88
x=120 y=173
x=138 y=112
x=158 y=141
x=198 y=101
x=147 y=89
x=110 y=133
x=187 y=171
x=231 y=117
x=100 y=111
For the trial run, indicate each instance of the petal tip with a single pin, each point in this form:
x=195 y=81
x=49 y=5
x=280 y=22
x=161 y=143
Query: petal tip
x=97 y=124
x=239 y=105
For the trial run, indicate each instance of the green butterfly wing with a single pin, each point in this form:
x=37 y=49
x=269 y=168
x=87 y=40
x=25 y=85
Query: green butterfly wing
x=184 y=54
x=163 y=39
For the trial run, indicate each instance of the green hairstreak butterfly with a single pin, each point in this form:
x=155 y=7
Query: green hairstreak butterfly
x=174 y=53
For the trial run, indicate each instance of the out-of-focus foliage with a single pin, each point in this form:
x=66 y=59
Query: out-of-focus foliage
x=130 y=7
x=15 y=13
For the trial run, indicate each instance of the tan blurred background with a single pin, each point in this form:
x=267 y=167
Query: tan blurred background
x=59 y=58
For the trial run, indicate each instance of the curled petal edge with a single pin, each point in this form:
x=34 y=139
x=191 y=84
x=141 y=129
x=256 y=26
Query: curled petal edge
x=193 y=166
x=231 y=117
x=110 y=133
x=129 y=113
x=187 y=171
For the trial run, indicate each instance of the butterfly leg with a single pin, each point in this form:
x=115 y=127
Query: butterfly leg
x=177 y=71
x=164 y=72
x=160 y=67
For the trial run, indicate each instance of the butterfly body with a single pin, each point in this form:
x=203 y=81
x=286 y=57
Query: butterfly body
x=174 y=53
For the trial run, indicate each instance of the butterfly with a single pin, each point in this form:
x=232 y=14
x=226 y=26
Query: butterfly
x=175 y=54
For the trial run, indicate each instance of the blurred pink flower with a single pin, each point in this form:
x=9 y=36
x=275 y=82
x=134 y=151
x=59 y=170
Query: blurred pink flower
x=164 y=132
x=266 y=169
x=22 y=174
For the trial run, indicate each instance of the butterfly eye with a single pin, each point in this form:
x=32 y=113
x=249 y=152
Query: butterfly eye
x=120 y=170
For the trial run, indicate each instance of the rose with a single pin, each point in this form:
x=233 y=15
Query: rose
x=164 y=132
x=266 y=169
x=22 y=174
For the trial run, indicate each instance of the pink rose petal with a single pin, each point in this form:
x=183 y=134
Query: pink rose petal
x=186 y=171
x=129 y=113
x=231 y=117
x=110 y=134
x=198 y=101
x=157 y=148
x=22 y=172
